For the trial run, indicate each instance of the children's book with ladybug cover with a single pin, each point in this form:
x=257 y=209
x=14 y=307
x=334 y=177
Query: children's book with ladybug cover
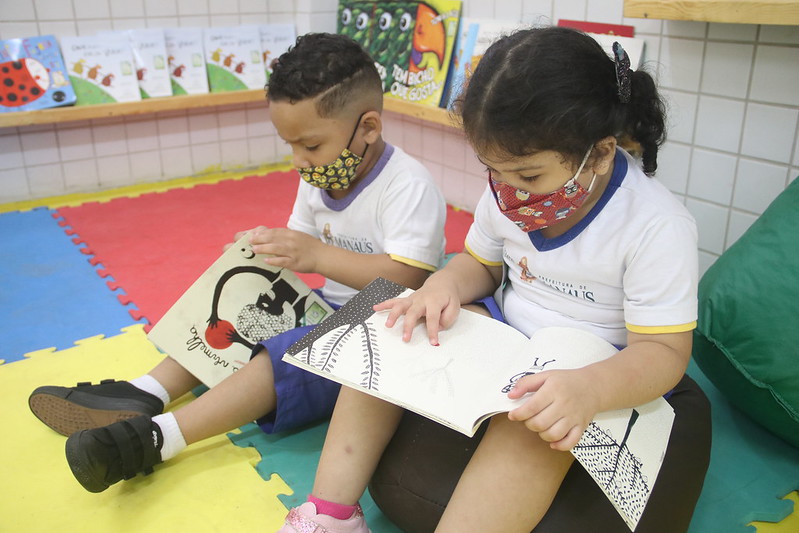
x=411 y=42
x=236 y=303
x=33 y=75
x=101 y=69
x=465 y=379
x=186 y=60
x=234 y=58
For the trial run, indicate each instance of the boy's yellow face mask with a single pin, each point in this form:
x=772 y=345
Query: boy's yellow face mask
x=338 y=174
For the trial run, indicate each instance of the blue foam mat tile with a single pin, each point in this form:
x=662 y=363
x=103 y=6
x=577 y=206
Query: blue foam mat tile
x=750 y=470
x=51 y=294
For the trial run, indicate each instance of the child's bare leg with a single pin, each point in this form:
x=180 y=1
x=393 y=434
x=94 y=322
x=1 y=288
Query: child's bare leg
x=244 y=396
x=360 y=429
x=509 y=483
x=174 y=378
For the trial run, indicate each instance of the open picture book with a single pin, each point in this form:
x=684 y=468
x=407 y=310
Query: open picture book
x=239 y=301
x=465 y=380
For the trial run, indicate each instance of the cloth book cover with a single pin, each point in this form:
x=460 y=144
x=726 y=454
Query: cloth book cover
x=411 y=42
x=101 y=69
x=275 y=41
x=186 y=60
x=33 y=75
x=238 y=302
x=474 y=38
x=234 y=58
x=459 y=383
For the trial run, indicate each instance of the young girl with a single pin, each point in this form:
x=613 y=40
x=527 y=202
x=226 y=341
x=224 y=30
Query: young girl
x=570 y=232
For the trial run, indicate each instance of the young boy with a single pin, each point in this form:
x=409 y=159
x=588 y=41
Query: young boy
x=358 y=193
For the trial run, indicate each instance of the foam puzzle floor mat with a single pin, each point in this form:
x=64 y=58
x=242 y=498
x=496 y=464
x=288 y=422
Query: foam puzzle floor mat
x=51 y=294
x=211 y=486
x=107 y=263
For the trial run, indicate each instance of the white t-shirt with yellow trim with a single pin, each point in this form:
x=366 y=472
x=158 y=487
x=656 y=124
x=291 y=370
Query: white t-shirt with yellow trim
x=396 y=209
x=631 y=263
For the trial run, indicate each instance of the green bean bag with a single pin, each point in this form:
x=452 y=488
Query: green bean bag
x=747 y=338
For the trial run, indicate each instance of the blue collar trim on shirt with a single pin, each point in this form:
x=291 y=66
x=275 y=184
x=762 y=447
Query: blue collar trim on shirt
x=542 y=244
x=360 y=185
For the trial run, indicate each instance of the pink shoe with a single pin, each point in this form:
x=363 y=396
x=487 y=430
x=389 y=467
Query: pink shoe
x=303 y=519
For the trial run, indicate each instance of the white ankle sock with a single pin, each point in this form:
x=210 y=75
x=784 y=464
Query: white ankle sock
x=173 y=438
x=147 y=383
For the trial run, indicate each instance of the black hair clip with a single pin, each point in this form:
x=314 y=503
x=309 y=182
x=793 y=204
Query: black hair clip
x=623 y=72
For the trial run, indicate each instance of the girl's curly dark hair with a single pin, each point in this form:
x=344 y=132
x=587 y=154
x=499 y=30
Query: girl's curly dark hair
x=554 y=88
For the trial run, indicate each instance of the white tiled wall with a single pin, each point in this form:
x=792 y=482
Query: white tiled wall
x=731 y=89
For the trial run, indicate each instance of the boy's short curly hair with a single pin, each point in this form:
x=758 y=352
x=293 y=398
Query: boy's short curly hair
x=330 y=66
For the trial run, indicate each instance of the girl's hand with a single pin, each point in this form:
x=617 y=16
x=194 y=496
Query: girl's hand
x=563 y=405
x=440 y=308
x=287 y=248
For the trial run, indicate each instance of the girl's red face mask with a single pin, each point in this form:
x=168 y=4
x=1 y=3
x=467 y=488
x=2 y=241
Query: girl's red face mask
x=531 y=212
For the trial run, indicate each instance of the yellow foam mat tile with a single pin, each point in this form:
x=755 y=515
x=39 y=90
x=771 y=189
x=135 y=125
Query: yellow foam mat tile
x=211 y=486
x=132 y=191
x=789 y=524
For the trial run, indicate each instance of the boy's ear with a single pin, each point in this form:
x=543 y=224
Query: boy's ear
x=605 y=150
x=372 y=126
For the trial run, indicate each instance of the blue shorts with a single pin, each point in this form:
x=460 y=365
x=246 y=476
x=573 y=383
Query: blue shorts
x=302 y=397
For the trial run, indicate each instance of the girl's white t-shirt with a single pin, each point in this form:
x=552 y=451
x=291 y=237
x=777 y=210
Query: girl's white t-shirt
x=631 y=263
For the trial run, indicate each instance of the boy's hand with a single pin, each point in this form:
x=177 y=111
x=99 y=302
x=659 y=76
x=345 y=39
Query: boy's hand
x=236 y=238
x=287 y=248
x=439 y=307
x=563 y=405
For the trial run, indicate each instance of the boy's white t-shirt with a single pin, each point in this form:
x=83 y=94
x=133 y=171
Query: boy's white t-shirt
x=631 y=263
x=396 y=209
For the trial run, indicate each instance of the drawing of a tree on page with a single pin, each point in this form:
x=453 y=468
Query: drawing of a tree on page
x=347 y=325
x=325 y=357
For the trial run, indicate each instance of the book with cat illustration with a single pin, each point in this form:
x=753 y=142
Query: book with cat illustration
x=460 y=384
x=236 y=303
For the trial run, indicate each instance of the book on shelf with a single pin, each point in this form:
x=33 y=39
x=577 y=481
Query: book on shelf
x=236 y=303
x=411 y=42
x=275 y=41
x=186 y=60
x=234 y=58
x=607 y=34
x=152 y=67
x=101 y=69
x=474 y=37
x=460 y=384
x=33 y=75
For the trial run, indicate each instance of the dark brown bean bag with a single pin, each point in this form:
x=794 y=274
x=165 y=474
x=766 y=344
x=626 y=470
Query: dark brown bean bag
x=422 y=464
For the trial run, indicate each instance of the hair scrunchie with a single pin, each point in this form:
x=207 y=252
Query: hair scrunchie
x=623 y=72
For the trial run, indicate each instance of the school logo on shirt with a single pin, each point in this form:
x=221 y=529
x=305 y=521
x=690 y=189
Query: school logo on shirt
x=354 y=244
x=578 y=291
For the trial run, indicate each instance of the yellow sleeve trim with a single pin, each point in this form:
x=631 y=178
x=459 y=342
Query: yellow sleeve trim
x=484 y=261
x=411 y=262
x=652 y=330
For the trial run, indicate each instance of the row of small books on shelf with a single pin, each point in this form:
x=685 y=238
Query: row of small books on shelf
x=127 y=66
x=424 y=50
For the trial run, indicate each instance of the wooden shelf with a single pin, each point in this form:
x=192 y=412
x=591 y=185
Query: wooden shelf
x=173 y=103
x=426 y=113
x=150 y=105
x=780 y=12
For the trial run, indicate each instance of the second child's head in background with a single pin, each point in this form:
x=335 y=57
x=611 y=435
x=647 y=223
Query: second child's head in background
x=543 y=111
x=325 y=99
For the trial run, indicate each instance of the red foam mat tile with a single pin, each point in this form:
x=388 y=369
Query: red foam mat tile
x=155 y=245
